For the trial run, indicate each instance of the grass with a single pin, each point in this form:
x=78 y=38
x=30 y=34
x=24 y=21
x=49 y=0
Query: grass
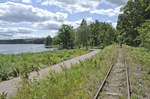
x=141 y=56
x=140 y=75
x=79 y=82
x=15 y=65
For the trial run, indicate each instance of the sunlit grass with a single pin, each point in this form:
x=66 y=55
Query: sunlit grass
x=14 y=65
x=81 y=81
x=141 y=56
x=140 y=75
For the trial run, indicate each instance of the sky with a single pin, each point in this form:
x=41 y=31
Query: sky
x=23 y=19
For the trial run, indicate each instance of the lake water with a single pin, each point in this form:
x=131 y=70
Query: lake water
x=22 y=48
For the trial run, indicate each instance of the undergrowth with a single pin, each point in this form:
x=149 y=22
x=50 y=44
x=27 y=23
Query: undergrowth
x=15 y=65
x=139 y=72
x=79 y=82
x=141 y=56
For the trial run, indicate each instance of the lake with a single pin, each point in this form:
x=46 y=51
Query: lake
x=22 y=48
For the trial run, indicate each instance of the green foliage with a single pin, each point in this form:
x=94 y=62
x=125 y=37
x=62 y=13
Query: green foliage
x=135 y=12
x=144 y=31
x=95 y=34
x=66 y=36
x=140 y=75
x=142 y=56
x=82 y=34
x=3 y=95
x=48 y=41
x=22 y=64
x=80 y=81
x=101 y=34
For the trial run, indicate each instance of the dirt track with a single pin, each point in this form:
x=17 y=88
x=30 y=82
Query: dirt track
x=11 y=86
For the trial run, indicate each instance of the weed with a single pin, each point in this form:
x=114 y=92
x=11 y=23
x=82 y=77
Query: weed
x=80 y=81
x=21 y=64
x=3 y=95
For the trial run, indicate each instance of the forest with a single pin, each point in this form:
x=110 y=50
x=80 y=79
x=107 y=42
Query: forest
x=133 y=28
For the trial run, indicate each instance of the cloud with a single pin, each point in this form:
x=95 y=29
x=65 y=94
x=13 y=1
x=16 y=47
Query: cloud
x=73 y=5
x=16 y=32
x=11 y=12
x=114 y=24
x=77 y=23
x=49 y=25
x=21 y=30
x=16 y=13
x=116 y=2
x=42 y=20
x=26 y=1
x=108 y=12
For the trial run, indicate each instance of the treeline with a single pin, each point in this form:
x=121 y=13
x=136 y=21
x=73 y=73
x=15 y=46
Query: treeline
x=95 y=34
x=133 y=28
x=134 y=24
x=23 y=41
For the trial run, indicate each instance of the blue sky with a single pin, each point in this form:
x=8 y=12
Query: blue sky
x=21 y=19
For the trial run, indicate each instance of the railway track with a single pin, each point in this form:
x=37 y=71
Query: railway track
x=116 y=84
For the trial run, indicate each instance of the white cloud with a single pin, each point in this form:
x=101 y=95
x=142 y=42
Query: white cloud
x=26 y=1
x=15 y=13
x=107 y=12
x=77 y=23
x=43 y=20
x=11 y=33
x=116 y=2
x=48 y=25
x=73 y=5
x=114 y=24
x=14 y=30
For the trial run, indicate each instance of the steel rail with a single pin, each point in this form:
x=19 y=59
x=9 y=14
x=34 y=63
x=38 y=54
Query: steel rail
x=103 y=83
x=128 y=81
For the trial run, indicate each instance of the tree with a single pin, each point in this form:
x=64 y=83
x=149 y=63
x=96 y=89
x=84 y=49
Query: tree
x=56 y=40
x=144 y=37
x=83 y=34
x=95 y=34
x=66 y=36
x=94 y=30
x=48 y=41
x=101 y=34
x=135 y=12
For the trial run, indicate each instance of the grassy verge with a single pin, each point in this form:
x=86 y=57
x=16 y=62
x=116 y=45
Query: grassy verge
x=14 y=65
x=139 y=62
x=141 y=56
x=80 y=81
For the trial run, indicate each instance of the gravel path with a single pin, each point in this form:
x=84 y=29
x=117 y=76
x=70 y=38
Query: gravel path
x=11 y=86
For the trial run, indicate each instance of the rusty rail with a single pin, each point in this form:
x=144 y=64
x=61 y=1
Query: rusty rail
x=128 y=82
x=103 y=83
x=108 y=73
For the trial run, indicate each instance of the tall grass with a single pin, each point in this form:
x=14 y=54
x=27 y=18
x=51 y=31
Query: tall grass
x=139 y=66
x=80 y=81
x=14 y=65
x=141 y=57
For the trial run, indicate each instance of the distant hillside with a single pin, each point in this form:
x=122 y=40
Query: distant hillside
x=23 y=41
